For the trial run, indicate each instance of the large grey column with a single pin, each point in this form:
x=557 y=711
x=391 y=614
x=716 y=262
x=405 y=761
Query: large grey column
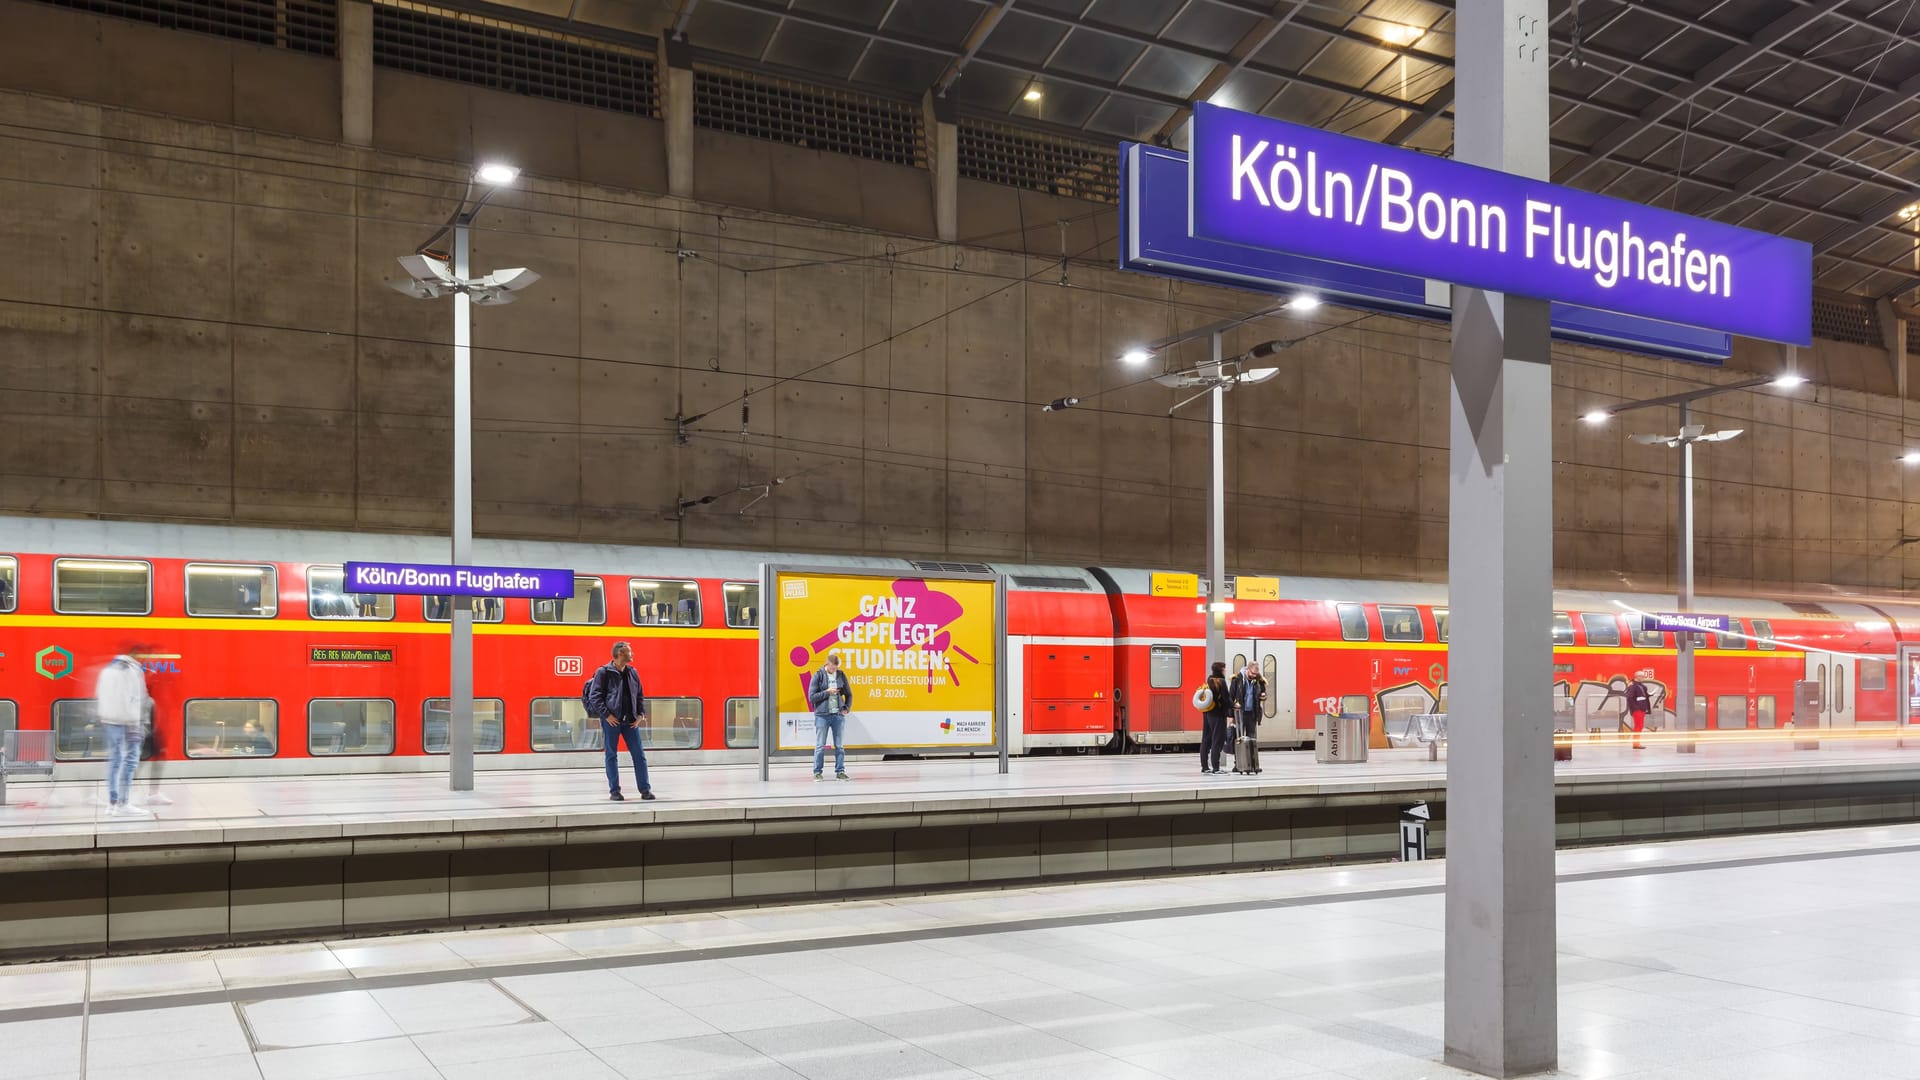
x=1501 y=1007
x=676 y=108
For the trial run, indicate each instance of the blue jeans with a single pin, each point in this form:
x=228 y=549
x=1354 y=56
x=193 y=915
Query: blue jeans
x=837 y=723
x=611 y=736
x=123 y=753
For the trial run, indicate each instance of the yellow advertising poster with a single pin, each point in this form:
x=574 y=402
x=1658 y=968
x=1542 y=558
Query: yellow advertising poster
x=1256 y=588
x=1187 y=585
x=918 y=654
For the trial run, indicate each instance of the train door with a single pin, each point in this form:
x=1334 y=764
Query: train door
x=1834 y=673
x=1276 y=660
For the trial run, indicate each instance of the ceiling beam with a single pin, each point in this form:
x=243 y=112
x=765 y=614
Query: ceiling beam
x=1429 y=111
x=1245 y=49
x=1716 y=69
x=983 y=25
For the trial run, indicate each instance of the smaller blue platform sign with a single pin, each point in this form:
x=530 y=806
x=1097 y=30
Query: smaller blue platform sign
x=1694 y=622
x=432 y=579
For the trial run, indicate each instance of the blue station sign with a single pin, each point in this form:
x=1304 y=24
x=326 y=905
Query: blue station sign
x=1266 y=183
x=1154 y=240
x=432 y=579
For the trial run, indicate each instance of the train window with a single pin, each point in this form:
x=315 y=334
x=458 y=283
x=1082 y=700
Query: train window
x=338 y=727
x=9 y=716
x=102 y=587
x=1163 y=667
x=76 y=737
x=232 y=727
x=232 y=592
x=489 y=725
x=9 y=582
x=1730 y=711
x=1702 y=640
x=671 y=724
x=1763 y=708
x=587 y=607
x=328 y=598
x=743 y=722
x=664 y=603
x=1873 y=675
x=1269 y=670
x=1562 y=628
x=1353 y=622
x=1441 y=619
x=561 y=724
x=1736 y=636
x=743 y=605
x=1401 y=624
x=485 y=608
x=1763 y=634
x=1601 y=629
x=1839 y=687
x=1647 y=638
x=1820 y=676
x=1355 y=705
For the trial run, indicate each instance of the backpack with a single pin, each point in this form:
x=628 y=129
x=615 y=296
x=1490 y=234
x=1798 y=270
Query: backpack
x=586 y=693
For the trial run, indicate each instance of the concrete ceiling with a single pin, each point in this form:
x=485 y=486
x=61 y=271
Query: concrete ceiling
x=1792 y=116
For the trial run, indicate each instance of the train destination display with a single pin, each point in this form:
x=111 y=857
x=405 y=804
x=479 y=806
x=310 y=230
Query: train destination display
x=428 y=579
x=919 y=655
x=1271 y=184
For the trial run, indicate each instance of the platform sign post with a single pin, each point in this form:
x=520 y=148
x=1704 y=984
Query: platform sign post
x=924 y=657
x=1909 y=675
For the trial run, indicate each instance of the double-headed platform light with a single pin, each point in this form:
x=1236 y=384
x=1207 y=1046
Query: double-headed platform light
x=431 y=275
x=1689 y=433
x=1214 y=377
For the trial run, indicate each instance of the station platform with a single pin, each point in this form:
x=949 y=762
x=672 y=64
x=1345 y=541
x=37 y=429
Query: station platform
x=243 y=860
x=1731 y=957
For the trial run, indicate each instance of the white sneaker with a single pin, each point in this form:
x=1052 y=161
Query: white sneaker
x=158 y=799
x=129 y=810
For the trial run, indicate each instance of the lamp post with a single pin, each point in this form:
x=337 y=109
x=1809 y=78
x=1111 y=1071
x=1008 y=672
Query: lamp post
x=429 y=278
x=1684 y=717
x=1212 y=379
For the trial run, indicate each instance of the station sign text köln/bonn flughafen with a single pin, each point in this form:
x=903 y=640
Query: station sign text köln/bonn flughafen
x=1267 y=184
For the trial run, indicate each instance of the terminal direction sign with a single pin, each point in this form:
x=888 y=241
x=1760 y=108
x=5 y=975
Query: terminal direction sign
x=1267 y=183
x=429 y=579
x=1679 y=623
x=1180 y=585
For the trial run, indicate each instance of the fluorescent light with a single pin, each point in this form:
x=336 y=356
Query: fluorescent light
x=1303 y=302
x=738 y=588
x=496 y=174
x=99 y=564
x=644 y=584
x=226 y=571
x=1032 y=94
x=1597 y=416
x=1136 y=356
x=1789 y=380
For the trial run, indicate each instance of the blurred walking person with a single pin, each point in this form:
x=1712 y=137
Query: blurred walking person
x=120 y=705
x=1639 y=703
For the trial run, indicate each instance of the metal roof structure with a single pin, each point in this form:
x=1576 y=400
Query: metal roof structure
x=1795 y=117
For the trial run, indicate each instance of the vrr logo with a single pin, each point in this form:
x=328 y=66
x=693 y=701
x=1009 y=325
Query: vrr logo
x=53 y=662
x=567 y=665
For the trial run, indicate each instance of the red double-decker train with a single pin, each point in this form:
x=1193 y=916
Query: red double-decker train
x=261 y=660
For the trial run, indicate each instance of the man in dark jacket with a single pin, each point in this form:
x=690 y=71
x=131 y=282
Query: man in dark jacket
x=618 y=701
x=1249 y=692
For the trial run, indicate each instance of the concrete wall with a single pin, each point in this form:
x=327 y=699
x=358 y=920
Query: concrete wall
x=194 y=325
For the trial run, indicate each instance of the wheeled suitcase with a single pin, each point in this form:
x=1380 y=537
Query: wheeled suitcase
x=1246 y=755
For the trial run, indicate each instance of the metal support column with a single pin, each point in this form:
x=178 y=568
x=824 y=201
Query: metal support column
x=1501 y=993
x=1684 y=718
x=1217 y=513
x=460 y=680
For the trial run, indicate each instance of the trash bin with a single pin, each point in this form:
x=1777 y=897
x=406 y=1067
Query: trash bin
x=1340 y=740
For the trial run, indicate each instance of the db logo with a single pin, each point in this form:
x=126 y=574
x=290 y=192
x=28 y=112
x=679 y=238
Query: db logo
x=566 y=665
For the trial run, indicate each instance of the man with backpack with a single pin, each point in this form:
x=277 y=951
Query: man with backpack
x=614 y=696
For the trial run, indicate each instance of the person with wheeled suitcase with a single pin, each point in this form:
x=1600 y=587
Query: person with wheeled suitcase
x=1249 y=693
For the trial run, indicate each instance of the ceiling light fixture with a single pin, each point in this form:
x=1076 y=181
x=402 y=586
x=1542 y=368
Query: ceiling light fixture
x=1135 y=356
x=1303 y=302
x=1597 y=416
x=496 y=174
x=1789 y=380
x=1033 y=94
